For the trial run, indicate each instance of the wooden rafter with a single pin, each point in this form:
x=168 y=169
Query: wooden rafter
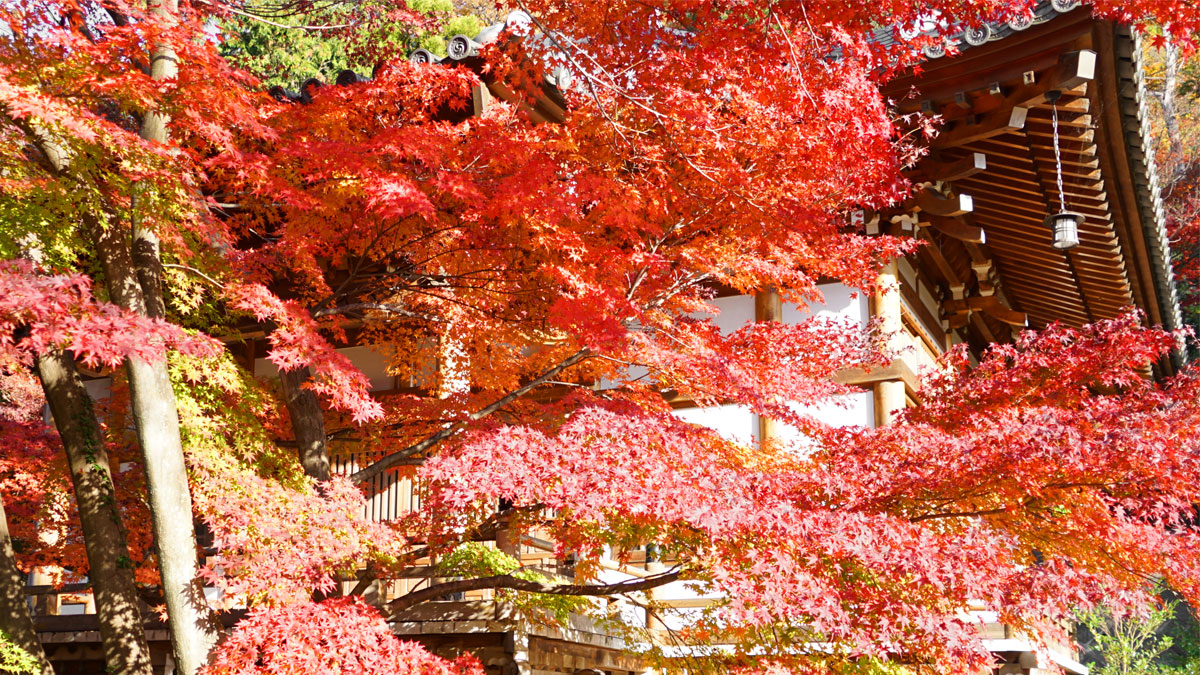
x=949 y=171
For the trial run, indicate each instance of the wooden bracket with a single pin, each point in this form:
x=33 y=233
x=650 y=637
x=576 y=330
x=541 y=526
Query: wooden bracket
x=935 y=205
x=948 y=172
x=957 y=228
x=989 y=305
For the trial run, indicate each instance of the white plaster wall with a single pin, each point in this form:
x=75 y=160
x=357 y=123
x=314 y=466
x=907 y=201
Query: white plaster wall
x=736 y=422
x=735 y=311
x=854 y=409
x=840 y=301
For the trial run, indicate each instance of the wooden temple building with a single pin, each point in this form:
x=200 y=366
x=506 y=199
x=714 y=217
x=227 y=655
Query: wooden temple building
x=989 y=268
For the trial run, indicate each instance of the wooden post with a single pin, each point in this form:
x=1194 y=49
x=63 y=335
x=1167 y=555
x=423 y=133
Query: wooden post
x=767 y=307
x=885 y=306
x=516 y=647
x=481 y=98
x=506 y=540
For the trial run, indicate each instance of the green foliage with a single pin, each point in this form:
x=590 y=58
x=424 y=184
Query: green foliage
x=1189 y=78
x=1129 y=645
x=15 y=660
x=219 y=405
x=286 y=55
x=463 y=25
x=308 y=44
x=473 y=559
x=873 y=666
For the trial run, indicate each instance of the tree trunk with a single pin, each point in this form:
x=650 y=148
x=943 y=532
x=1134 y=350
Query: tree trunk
x=191 y=623
x=133 y=270
x=14 y=611
x=111 y=574
x=192 y=626
x=148 y=264
x=1170 y=111
x=146 y=249
x=308 y=426
x=308 y=423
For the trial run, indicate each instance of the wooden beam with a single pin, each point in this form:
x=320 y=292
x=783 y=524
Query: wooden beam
x=1096 y=226
x=1073 y=69
x=1002 y=121
x=981 y=326
x=1028 y=176
x=1005 y=315
x=1128 y=224
x=1067 y=147
x=1037 y=209
x=481 y=98
x=897 y=370
x=919 y=317
x=958 y=169
x=934 y=204
x=955 y=285
x=943 y=266
x=957 y=228
x=994 y=67
x=1070 y=77
x=1085 y=138
x=686 y=603
x=503 y=92
x=1065 y=120
x=1063 y=286
x=992 y=306
x=1031 y=188
x=1044 y=269
x=999 y=149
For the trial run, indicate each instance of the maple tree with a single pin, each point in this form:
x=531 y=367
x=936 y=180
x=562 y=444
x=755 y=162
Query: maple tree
x=707 y=144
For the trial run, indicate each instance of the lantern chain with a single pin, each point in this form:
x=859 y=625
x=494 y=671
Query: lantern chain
x=1062 y=197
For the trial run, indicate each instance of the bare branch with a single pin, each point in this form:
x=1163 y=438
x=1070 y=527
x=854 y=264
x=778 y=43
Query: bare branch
x=374 y=307
x=197 y=272
x=397 y=458
x=261 y=19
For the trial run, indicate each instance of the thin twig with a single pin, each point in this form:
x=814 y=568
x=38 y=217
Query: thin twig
x=261 y=19
x=197 y=272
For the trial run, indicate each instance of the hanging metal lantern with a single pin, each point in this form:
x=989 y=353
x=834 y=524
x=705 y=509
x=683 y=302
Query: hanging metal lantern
x=1064 y=224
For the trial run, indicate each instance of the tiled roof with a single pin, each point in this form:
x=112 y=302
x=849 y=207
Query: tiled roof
x=464 y=50
x=1045 y=11
x=1139 y=139
x=461 y=49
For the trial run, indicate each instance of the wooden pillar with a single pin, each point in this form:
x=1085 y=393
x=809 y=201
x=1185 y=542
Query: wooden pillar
x=481 y=98
x=507 y=541
x=889 y=399
x=516 y=647
x=767 y=307
x=885 y=308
